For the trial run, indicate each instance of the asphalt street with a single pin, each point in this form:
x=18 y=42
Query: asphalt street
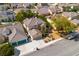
x=61 y=48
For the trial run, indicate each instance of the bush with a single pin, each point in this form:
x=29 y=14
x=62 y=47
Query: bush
x=68 y=9
x=64 y=25
x=6 y=50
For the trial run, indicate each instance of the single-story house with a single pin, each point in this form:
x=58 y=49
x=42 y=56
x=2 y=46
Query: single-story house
x=70 y=15
x=3 y=18
x=45 y=10
x=39 y=5
x=7 y=15
x=33 y=23
x=56 y=9
x=4 y=6
x=15 y=34
x=6 y=31
x=16 y=38
x=35 y=34
x=26 y=5
x=20 y=5
x=75 y=21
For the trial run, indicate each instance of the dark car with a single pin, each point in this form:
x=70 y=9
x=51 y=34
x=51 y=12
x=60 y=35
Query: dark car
x=76 y=38
x=72 y=35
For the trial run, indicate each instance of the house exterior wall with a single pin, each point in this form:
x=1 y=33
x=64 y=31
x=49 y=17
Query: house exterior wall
x=36 y=37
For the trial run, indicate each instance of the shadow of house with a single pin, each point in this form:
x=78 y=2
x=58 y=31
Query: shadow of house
x=16 y=52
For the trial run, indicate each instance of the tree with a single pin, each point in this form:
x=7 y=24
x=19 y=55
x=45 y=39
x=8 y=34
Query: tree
x=24 y=14
x=20 y=16
x=69 y=9
x=28 y=14
x=63 y=24
x=6 y=50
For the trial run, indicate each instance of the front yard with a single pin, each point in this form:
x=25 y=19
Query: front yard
x=61 y=26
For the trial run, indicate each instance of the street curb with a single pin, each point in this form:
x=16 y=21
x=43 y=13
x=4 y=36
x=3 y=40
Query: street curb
x=51 y=42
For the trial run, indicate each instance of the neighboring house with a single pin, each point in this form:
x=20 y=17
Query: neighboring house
x=15 y=34
x=56 y=9
x=39 y=5
x=3 y=18
x=35 y=34
x=6 y=31
x=2 y=38
x=33 y=23
x=68 y=4
x=20 y=5
x=4 y=6
x=16 y=5
x=13 y=5
x=7 y=16
x=45 y=10
x=49 y=10
x=16 y=11
x=75 y=21
x=16 y=38
x=26 y=5
x=70 y=15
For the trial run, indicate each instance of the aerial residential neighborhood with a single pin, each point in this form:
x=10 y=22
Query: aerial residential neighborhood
x=39 y=29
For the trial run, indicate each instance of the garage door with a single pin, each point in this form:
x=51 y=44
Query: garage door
x=20 y=42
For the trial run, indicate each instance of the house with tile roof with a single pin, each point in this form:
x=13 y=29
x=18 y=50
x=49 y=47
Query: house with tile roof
x=7 y=16
x=32 y=23
x=56 y=9
x=35 y=34
x=15 y=34
x=70 y=15
x=45 y=10
x=75 y=21
x=16 y=38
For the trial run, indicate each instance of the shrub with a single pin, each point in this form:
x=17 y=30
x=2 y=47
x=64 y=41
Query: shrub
x=64 y=25
x=6 y=50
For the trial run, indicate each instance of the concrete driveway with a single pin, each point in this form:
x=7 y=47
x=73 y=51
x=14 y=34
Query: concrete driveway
x=61 y=48
x=29 y=47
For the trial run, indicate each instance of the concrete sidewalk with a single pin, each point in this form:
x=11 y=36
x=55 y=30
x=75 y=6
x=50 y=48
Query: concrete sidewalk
x=31 y=47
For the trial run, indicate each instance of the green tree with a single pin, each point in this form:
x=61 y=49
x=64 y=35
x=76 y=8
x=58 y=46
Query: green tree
x=24 y=14
x=6 y=50
x=20 y=16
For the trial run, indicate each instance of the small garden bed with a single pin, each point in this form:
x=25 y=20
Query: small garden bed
x=52 y=36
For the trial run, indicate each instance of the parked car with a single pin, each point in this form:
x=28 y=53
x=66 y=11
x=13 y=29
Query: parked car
x=72 y=35
x=76 y=38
